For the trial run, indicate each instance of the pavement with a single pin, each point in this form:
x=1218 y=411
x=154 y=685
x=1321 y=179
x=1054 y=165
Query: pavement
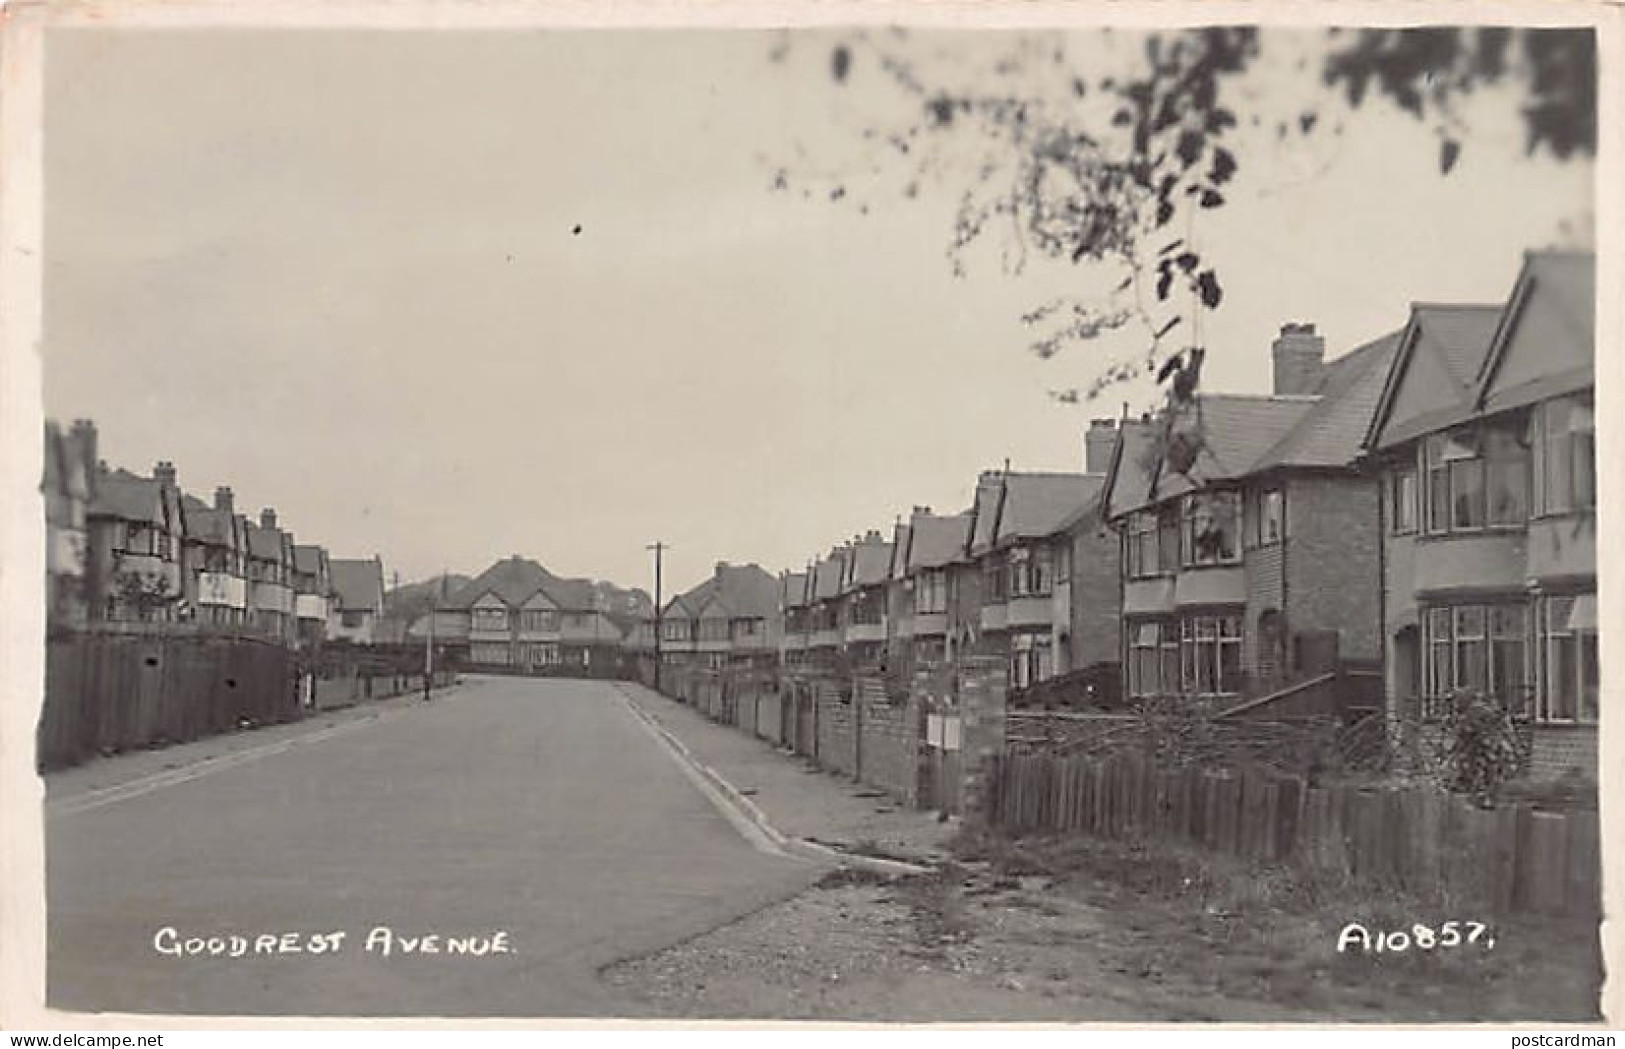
x=799 y=801
x=546 y=811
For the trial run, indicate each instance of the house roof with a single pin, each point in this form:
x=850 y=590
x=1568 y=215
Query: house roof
x=937 y=541
x=902 y=540
x=1128 y=483
x=358 y=585
x=1036 y=505
x=985 y=512
x=265 y=543
x=1432 y=379
x=308 y=558
x=206 y=523
x=736 y=592
x=1244 y=434
x=515 y=580
x=123 y=495
x=794 y=589
x=1331 y=431
x=869 y=563
x=1546 y=341
x=827 y=575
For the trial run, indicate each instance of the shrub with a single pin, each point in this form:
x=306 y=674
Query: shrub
x=1477 y=749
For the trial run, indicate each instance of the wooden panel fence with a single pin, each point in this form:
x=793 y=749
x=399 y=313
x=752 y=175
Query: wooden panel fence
x=1513 y=858
x=118 y=691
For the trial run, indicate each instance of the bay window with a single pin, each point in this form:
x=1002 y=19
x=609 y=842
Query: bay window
x=1475 y=476
x=931 y=592
x=1210 y=521
x=1566 y=638
x=1564 y=435
x=1477 y=648
x=1210 y=654
x=1031 y=572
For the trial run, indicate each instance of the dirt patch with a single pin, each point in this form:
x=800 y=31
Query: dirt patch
x=1054 y=930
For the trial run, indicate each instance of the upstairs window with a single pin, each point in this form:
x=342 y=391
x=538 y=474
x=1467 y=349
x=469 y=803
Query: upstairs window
x=1270 y=517
x=1475 y=476
x=1402 y=500
x=1211 y=523
x=1032 y=572
x=1564 y=435
x=1140 y=546
x=931 y=592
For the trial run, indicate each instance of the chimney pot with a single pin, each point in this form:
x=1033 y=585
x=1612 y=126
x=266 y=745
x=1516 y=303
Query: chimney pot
x=1098 y=444
x=223 y=499
x=163 y=471
x=268 y=517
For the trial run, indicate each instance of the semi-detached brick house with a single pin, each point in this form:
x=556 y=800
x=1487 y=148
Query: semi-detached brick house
x=863 y=599
x=358 y=599
x=136 y=528
x=1249 y=537
x=217 y=560
x=517 y=616
x=1484 y=444
x=796 y=615
x=922 y=550
x=734 y=618
x=827 y=640
x=1021 y=541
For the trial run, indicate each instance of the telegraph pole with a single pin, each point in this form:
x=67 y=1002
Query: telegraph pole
x=659 y=549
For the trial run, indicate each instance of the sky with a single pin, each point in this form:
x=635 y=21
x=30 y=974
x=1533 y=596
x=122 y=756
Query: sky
x=450 y=296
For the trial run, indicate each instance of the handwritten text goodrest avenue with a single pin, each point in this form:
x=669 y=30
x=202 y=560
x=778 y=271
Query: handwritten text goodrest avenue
x=381 y=941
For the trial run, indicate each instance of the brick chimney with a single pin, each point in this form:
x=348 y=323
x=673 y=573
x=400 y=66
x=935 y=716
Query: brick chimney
x=163 y=471
x=84 y=435
x=1098 y=444
x=721 y=567
x=1299 y=355
x=223 y=499
x=268 y=517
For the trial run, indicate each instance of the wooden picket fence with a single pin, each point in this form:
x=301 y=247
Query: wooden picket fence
x=1513 y=858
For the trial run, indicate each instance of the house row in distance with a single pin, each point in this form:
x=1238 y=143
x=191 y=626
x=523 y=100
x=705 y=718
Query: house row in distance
x=125 y=548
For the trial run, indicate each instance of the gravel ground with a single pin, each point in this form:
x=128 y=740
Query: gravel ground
x=975 y=942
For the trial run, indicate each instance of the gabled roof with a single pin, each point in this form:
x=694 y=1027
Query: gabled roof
x=869 y=562
x=736 y=592
x=358 y=585
x=123 y=495
x=827 y=575
x=205 y=523
x=1037 y=505
x=902 y=539
x=1431 y=381
x=512 y=580
x=265 y=543
x=1330 y=433
x=1128 y=483
x=1546 y=341
x=308 y=558
x=794 y=589
x=937 y=541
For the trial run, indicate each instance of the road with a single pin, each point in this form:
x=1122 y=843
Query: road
x=545 y=810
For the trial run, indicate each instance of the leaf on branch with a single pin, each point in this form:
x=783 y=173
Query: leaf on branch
x=1173 y=322
x=1171 y=245
x=1224 y=165
x=1165 y=281
x=1449 y=153
x=1207 y=286
x=1122 y=118
x=1165 y=212
x=1189 y=147
x=1187 y=260
x=1212 y=198
x=1169 y=367
x=1306 y=122
x=1079 y=88
x=840 y=63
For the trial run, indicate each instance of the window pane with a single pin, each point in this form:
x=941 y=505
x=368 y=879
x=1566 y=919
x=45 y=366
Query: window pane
x=1562 y=702
x=1467 y=493
x=1587 y=644
x=1508 y=479
x=1230 y=665
x=1471 y=664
